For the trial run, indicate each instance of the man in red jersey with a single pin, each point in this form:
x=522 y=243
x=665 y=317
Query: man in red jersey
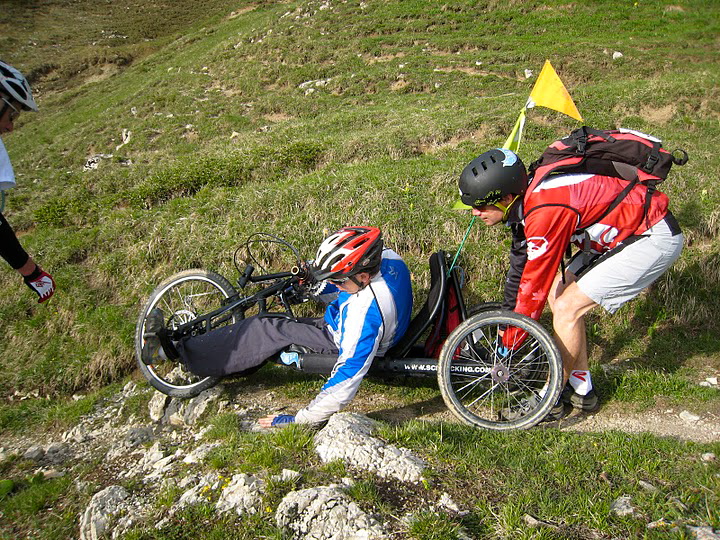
x=622 y=252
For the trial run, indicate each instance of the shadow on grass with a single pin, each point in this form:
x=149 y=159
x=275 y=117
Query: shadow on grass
x=403 y=413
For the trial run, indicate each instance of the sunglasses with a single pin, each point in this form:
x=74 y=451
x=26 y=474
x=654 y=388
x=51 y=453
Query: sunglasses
x=340 y=281
x=14 y=113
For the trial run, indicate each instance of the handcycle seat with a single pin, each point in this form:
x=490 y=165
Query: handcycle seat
x=432 y=307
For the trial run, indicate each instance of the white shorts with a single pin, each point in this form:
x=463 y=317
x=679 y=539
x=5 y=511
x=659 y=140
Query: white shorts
x=625 y=271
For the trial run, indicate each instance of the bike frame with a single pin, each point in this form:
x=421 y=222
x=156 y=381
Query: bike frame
x=283 y=287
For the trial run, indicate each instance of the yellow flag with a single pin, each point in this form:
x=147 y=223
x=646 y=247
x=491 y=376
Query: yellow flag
x=549 y=91
x=513 y=141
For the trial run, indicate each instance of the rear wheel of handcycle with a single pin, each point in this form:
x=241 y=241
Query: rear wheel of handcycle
x=486 y=389
x=182 y=297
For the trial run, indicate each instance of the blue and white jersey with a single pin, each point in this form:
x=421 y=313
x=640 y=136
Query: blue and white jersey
x=363 y=325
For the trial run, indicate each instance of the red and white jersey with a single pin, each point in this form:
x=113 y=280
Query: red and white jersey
x=564 y=204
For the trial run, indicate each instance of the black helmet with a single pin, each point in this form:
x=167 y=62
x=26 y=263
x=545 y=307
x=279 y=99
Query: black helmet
x=491 y=176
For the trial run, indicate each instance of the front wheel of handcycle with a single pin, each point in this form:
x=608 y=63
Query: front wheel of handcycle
x=182 y=297
x=486 y=386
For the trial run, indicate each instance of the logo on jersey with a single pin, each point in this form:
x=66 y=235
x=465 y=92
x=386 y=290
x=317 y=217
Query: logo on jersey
x=510 y=157
x=536 y=246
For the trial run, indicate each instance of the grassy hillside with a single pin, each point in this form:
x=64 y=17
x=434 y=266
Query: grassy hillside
x=295 y=117
x=210 y=120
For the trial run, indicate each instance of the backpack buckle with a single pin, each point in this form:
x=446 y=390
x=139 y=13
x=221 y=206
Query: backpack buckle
x=652 y=160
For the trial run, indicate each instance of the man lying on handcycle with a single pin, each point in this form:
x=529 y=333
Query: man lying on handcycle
x=369 y=314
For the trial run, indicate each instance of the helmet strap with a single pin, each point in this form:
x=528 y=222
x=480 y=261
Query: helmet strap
x=506 y=209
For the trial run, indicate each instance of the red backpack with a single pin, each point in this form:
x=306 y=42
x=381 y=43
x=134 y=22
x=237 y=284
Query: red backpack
x=621 y=153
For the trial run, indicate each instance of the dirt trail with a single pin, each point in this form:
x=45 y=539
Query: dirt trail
x=663 y=421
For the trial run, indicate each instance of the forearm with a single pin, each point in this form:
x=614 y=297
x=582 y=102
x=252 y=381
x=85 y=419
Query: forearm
x=12 y=251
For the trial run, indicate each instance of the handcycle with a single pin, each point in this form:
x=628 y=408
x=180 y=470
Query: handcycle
x=482 y=383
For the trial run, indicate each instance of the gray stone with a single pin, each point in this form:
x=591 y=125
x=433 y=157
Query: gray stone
x=34 y=453
x=103 y=506
x=622 y=507
x=174 y=413
x=136 y=436
x=347 y=437
x=57 y=452
x=197 y=405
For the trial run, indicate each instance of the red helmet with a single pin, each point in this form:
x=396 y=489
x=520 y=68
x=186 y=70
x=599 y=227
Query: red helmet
x=347 y=252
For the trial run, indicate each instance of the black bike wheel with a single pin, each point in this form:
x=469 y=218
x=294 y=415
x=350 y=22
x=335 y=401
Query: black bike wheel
x=182 y=297
x=485 y=389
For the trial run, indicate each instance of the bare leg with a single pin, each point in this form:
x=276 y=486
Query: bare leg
x=569 y=308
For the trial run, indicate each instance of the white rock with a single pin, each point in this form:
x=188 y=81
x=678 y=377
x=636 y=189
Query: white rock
x=197 y=455
x=703 y=533
x=156 y=406
x=622 y=507
x=708 y=457
x=325 y=513
x=287 y=476
x=447 y=503
x=647 y=486
x=617 y=55
x=197 y=405
x=102 y=507
x=243 y=495
x=688 y=417
x=347 y=437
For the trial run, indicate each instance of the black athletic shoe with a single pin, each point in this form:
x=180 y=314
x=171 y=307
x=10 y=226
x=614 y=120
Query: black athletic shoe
x=151 y=351
x=520 y=409
x=587 y=403
x=558 y=411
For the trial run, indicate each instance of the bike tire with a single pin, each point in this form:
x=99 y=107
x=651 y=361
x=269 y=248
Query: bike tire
x=182 y=297
x=484 y=307
x=486 y=390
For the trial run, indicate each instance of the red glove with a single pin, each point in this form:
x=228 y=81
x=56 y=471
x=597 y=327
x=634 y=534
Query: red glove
x=41 y=283
x=513 y=337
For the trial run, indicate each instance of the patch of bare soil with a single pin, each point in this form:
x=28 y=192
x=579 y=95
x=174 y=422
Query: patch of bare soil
x=664 y=422
x=703 y=427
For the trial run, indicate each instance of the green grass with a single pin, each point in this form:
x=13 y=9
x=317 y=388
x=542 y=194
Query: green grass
x=287 y=118
x=566 y=479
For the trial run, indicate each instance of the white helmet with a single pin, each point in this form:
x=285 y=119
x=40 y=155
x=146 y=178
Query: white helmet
x=14 y=85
